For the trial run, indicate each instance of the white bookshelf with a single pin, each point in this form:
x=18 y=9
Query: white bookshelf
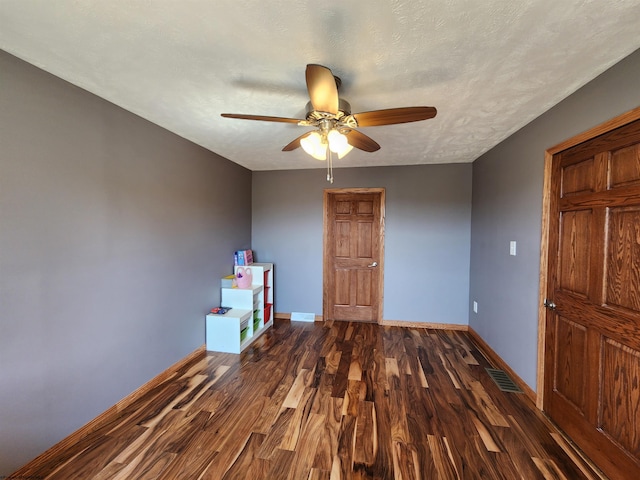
x=250 y=316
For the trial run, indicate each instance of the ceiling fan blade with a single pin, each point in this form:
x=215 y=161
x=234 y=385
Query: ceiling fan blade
x=361 y=141
x=260 y=117
x=322 y=88
x=392 y=116
x=295 y=143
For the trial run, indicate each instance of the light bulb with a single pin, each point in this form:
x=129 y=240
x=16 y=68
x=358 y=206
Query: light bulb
x=337 y=141
x=320 y=155
x=345 y=151
x=312 y=144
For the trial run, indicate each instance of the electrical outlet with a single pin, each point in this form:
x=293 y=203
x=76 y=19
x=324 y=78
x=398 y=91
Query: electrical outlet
x=475 y=307
x=512 y=248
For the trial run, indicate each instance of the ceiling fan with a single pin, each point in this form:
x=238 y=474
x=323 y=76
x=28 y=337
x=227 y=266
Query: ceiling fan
x=335 y=125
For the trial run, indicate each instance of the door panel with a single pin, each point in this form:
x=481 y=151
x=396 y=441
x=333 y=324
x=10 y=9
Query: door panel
x=364 y=287
x=342 y=239
x=578 y=178
x=623 y=274
x=575 y=230
x=592 y=336
x=341 y=292
x=571 y=372
x=353 y=249
x=620 y=410
x=365 y=239
x=625 y=169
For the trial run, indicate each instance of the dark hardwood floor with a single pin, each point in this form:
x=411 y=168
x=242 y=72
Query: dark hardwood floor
x=327 y=401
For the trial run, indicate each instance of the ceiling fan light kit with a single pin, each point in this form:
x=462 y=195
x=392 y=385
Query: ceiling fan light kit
x=316 y=143
x=320 y=145
x=335 y=126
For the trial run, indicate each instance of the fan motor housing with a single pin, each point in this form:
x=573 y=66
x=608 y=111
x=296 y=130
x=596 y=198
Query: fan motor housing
x=344 y=109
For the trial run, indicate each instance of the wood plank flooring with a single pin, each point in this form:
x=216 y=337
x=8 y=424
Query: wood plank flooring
x=327 y=401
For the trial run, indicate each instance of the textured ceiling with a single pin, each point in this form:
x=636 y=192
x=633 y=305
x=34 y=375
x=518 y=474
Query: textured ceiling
x=489 y=67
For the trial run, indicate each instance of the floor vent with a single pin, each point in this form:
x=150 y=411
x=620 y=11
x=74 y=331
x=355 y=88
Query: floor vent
x=503 y=381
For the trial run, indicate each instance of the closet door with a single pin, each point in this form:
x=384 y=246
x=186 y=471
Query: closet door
x=354 y=233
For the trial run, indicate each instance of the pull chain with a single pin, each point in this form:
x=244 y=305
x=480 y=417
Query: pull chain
x=329 y=166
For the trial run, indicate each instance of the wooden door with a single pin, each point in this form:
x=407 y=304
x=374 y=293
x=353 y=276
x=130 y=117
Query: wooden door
x=353 y=254
x=592 y=331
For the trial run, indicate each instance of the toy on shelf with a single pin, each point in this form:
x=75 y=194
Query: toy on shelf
x=244 y=277
x=220 y=310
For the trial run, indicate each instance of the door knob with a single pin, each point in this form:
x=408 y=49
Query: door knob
x=549 y=304
x=374 y=264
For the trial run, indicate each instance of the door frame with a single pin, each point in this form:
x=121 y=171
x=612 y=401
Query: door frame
x=325 y=246
x=612 y=124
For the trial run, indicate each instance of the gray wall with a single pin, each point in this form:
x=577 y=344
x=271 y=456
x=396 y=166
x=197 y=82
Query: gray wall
x=113 y=236
x=507 y=205
x=428 y=213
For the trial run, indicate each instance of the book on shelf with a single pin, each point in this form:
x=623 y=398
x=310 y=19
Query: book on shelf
x=243 y=257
